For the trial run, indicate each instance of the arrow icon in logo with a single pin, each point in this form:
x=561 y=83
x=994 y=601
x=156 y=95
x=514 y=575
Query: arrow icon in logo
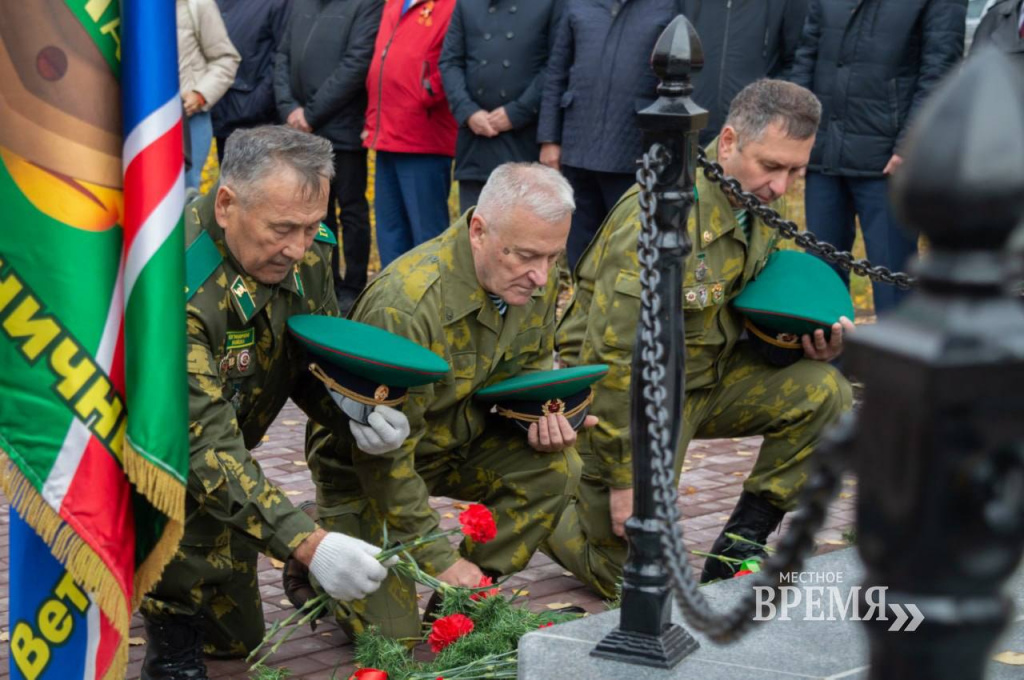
x=918 y=617
x=901 y=618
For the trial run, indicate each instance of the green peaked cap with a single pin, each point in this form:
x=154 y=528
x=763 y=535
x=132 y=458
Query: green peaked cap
x=367 y=351
x=363 y=366
x=528 y=397
x=795 y=293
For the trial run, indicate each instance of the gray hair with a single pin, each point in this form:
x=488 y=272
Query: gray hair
x=250 y=155
x=541 y=190
x=765 y=101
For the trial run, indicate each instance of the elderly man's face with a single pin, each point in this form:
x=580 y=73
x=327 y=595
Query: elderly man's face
x=765 y=167
x=273 y=229
x=514 y=253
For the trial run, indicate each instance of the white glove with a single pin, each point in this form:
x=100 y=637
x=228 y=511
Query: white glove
x=388 y=429
x=347 y=568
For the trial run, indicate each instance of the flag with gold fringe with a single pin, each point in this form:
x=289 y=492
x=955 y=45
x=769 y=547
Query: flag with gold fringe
x=94 y=412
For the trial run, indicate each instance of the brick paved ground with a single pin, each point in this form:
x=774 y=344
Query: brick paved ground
x=711 y=482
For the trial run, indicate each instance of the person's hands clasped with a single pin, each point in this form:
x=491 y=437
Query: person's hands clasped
x=499 y=120
x=553 y=433
x=480 y=124
x=347 y=568
x=819 y=349
x=297 y=120
x=388 y=430
x=193 y=103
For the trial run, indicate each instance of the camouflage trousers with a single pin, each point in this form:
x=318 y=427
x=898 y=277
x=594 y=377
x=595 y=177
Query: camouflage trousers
x=525 y=489
x=790 y=406
x=212 y=574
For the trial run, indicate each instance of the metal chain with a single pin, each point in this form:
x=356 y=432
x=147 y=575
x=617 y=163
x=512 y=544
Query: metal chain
x=805 y=239
x=817 y=493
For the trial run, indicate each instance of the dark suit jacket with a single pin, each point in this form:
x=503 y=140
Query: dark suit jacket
x=494 y=55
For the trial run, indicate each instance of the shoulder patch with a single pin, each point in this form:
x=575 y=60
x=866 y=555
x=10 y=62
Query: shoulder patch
x=324 y=234
x=201 y=259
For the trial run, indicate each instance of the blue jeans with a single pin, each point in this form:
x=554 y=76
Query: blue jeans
x=833 y=202
x=411 y=203
x=200 y=130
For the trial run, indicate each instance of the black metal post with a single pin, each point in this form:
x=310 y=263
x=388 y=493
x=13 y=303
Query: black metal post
x=646 y=635
x=940 y=449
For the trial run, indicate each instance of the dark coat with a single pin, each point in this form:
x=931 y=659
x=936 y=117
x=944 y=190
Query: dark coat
x=255 y=28
x=999 y=28
x=322 y=64
x=494 y=55
x=598 y=77
x=743 y=40
x=872 y=64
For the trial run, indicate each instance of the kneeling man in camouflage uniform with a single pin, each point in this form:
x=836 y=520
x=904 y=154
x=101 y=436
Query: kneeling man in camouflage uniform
x=252 y=263
x=482 y=296
x=730 y=390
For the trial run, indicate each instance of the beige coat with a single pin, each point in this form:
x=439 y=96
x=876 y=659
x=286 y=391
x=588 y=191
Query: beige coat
x=207 y=60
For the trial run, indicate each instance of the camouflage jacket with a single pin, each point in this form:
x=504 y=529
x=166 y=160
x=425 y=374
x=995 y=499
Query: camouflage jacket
x=600 y=324
x=431 y=296
x=242 y=367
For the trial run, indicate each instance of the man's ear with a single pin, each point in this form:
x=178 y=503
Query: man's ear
x=727 y=143
x=224 y=204
x=477 y=229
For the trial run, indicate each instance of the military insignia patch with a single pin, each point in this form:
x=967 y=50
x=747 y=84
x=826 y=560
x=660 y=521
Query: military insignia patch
x=246 y=305
x=554 y=406
x=324 y=234
x=717 y=293
x=240 y=339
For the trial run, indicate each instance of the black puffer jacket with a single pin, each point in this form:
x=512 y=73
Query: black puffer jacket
x=743 y=40
x=872 y=64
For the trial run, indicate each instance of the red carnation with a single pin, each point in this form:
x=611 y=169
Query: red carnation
x=447 y=630
x=478 y=523
x=368 y=674
x=484 y=594
x=546 y=625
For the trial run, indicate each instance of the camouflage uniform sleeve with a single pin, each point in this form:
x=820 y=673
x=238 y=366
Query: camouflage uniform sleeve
x=223 y=478
x=390 y=480
x=602 y=330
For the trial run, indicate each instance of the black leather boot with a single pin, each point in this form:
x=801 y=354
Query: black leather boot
x=175 y=649
x=753 y=518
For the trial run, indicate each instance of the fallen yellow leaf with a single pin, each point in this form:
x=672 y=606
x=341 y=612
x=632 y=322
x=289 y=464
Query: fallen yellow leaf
x=738 y=474
x=291 y=422
x=689 y=491
x=744 y=453
x=559 y=605
x=277 y=564
x=325 y=635
x=1010 y=658
x=301 y=463
x=520 y=592
x=460 y=506
x=266 y=438
x=292 y=493
x=136 y=641
x=833 y=541
x=700 y=455
x=448 y=515
x=724 y=518
x=846 y=495
x=285 y=603
x=4 y=636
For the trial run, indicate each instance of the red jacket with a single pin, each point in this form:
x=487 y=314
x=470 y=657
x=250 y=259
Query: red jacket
x=407 y=110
